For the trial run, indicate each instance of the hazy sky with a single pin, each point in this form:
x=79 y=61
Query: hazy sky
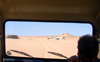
x=47 y=28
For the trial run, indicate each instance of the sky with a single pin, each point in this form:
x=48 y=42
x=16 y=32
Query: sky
x=47 y=28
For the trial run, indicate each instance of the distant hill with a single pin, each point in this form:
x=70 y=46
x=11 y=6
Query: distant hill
x=65 y=34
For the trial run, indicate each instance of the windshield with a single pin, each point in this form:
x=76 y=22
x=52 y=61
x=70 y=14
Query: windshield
x=44 y=39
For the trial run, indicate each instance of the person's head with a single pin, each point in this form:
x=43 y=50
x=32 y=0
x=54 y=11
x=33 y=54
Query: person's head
x=88 y=47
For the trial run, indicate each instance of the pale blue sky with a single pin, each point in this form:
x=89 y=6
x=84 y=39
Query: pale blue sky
x=47 y=28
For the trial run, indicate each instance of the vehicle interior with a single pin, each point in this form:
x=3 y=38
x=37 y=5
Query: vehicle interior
x=55 y=14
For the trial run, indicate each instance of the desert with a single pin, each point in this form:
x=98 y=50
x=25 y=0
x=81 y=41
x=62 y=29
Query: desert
x=54 y=47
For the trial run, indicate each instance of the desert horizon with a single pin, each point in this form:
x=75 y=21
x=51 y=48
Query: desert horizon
x=56 y=47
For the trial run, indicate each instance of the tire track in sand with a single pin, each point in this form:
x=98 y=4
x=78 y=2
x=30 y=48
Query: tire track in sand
x=45 y=48
x=56 y=53
x=50 y=48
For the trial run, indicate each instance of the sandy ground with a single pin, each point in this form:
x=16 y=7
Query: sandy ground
x=40 y=47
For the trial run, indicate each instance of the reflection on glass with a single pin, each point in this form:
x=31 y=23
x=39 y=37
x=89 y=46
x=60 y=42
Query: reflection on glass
x=44 y=39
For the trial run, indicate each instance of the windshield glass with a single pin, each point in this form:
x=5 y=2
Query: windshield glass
x=44 y=39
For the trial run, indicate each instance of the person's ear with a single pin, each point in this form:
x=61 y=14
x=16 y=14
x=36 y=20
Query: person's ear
x=78 y=53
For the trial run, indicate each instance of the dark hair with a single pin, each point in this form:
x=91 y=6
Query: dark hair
x=88 y=46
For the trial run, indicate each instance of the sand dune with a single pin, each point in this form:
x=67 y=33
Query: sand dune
x=40 y=46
